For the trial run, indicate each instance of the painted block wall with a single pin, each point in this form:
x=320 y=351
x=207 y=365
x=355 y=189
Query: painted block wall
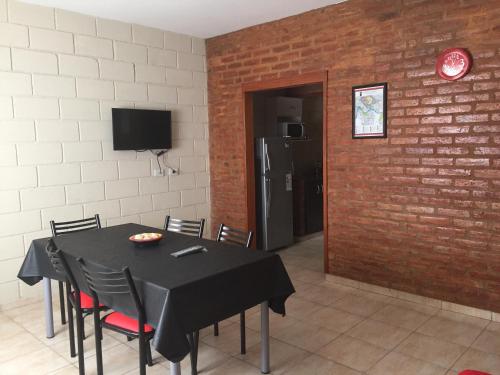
x=60 y=75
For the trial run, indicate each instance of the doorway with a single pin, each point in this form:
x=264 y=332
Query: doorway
x=289 y=114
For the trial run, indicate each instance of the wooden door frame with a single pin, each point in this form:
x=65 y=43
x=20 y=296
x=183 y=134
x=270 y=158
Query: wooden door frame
x=247 y=90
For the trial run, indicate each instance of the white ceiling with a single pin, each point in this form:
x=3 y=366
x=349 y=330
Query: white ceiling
x=201 y=18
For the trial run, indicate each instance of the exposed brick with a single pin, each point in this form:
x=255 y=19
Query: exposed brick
x=420 y=111
x=455 y=109
x=436 y=120
x=472 y=139
x=467 y=98
x=488 y=173
x=470 y=162
x=385 y=196
x=472 y=118
x=436 y=140
x=453 y=129
x=488 y=107
x=452 y=151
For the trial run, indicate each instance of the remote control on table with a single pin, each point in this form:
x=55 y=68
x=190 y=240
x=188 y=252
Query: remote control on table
x=189 y=250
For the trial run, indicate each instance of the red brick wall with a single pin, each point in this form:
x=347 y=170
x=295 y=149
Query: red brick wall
x=420 y=210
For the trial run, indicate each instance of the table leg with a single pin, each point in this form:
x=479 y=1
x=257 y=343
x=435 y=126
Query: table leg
x=175 y=368
x=49 y=318
x=264 y=338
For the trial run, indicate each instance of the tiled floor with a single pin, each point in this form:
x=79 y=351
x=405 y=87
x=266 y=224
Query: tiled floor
x=329 y=329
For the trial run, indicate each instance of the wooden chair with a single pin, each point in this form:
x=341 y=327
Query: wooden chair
x=71 y=227
x=82 y=305
x=189 y=227
x=240 y=238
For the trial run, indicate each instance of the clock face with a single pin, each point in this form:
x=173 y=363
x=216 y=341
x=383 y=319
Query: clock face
x=453 y=64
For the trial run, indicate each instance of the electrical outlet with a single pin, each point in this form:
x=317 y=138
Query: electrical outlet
x=157 y=172
x=172 y=171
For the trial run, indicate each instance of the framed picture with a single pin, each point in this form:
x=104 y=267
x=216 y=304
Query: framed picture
x=369 y=111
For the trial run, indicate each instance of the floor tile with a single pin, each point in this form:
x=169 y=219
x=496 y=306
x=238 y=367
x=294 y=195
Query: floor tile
x=39 y=362
x=380 y=334
x=488 y=341
x=430 y=349
x=420 y=307
x=353 y=353
x=397 y=363
x=401 y=317
x=19 y=345
x=277 y=323
x=456 y=328
x=359 y=305
x=62 y=346
x=209 y=358
x=116 y=361
x=478 y=360
x=69 y=370
x=306 y=336
x=316 y=365
x=321 y=295
x=309 y=276
x=9 y=328
x=228 y=340
x=493 y=327
x=233 y=366
x=282 y=354
x=300 y=308
x=336 y=320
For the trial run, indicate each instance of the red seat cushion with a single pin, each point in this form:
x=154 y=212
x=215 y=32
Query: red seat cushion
x=473 y=372
x=86 y=301
x=123 y=321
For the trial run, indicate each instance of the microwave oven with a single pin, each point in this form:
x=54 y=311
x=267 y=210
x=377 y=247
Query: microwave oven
x=291 y=129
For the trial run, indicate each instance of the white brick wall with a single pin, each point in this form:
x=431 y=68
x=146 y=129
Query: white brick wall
x=60 y=74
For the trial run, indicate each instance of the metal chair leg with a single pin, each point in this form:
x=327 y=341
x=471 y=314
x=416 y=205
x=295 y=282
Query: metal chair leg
x=196 y=342
x=243 y=344
x=149 y=357
x=98 y=338
x=71 y=328
x=61 y=302
x=216 y=329
x=79 y=335
x=142 y=356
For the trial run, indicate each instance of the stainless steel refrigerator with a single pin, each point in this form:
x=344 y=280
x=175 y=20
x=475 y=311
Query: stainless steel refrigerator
x=274 y=193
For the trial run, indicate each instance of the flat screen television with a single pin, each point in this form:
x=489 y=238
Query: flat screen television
x=141 y=129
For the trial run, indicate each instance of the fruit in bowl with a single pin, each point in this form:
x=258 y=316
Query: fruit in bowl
x=146 y=237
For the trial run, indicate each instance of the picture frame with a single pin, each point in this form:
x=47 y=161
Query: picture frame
x=369 y=111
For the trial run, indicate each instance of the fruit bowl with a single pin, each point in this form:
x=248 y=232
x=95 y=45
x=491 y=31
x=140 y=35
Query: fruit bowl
x=145 y=238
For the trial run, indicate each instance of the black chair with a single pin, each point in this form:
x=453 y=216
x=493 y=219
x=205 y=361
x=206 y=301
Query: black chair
x=71 y=227
x=190 y=227
x=104 y=281
x=82 y=305
x=241 y=238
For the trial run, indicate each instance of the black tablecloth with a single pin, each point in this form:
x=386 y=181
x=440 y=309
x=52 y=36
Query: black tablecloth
x=180 y=295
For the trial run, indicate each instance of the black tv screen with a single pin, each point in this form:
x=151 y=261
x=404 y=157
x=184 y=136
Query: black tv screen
x=141 y=129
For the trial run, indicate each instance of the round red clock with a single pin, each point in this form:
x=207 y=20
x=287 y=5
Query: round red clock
x=453 y=63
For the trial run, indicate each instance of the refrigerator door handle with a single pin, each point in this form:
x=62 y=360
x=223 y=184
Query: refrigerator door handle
x=268 y=197
x=267 y=166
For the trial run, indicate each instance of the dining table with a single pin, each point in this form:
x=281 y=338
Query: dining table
x=180 y=295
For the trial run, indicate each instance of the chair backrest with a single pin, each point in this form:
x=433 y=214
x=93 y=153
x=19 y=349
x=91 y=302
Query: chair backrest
x=234 y=236
x=60 y=264
x=106 y=281
x=190 y=227
x=75 y=225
